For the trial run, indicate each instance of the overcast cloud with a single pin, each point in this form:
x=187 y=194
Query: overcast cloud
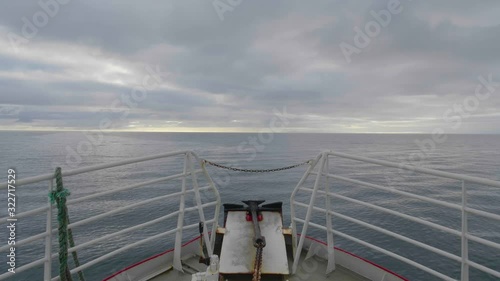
x=225 y=65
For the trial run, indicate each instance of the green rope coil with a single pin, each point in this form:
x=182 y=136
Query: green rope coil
x=81 y=277
x=55 y=196
x=58 y=197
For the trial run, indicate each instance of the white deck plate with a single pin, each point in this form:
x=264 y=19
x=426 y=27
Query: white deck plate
x=238 y=253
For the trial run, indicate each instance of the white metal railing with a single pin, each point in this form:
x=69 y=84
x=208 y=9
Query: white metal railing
x=319 y=168
x=189 y=171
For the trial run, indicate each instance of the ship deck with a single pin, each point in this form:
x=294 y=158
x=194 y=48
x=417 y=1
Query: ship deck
x=315 y=270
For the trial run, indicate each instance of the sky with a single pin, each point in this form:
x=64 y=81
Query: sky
x=248 y=65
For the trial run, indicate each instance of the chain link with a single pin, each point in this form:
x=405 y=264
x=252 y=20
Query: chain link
x=257 y=269
x=256 y=170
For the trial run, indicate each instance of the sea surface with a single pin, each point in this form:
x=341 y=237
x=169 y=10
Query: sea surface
x=34 y=153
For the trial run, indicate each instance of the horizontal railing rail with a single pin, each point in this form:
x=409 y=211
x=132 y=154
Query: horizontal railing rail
x=103 y=215
x=189 y=172
x=417 y=169
x=93 y=168
x=322 y=172
x=96 y=195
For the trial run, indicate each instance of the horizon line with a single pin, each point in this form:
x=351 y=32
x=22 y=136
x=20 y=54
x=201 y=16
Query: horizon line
x=232 y=132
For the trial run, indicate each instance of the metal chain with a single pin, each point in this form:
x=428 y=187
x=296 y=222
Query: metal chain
x=257 y=269
x=256 y=170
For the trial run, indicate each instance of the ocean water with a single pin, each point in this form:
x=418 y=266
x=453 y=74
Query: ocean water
x=33 y=153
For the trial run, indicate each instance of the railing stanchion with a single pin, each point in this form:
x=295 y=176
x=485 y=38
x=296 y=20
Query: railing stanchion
x=303 y=234
x=329 y=234
x=465 y=231
x=47 y=271
x=180 y=220
x=217 y=199
x=197 y=196
x=312 y=164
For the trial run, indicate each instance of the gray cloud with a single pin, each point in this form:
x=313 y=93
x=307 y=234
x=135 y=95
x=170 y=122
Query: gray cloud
x=263 y=55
